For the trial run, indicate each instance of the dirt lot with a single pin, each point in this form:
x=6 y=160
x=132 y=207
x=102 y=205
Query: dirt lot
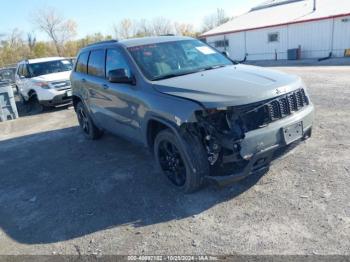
x=63 y=194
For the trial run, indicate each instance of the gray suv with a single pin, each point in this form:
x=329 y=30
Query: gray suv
x=205 y=117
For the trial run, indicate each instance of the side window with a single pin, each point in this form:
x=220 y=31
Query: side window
x=25 y=71
x=81 y=66
x=19 y=72
x=96 y=65
x=221 y=43
x=116 y=60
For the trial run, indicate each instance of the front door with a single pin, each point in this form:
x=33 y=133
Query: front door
x=21 y=80
x=115 y=104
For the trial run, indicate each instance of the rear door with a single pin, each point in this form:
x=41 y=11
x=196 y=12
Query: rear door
x=78 y=76
x=95 y=82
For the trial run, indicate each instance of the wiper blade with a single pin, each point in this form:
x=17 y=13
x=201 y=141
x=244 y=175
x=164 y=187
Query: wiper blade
x=213 y=67
x=187 y=73
x=173 y=75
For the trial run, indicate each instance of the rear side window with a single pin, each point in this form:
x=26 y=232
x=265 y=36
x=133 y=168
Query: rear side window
x=96 y=65
x=82 y=63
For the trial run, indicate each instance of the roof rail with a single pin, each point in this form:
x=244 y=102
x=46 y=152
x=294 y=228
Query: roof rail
x=104 y=42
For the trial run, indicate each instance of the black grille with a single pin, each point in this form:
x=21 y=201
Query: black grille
x=285 y=105
x=278 y=108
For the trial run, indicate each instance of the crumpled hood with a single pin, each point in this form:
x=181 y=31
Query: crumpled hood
x=230 y=86
x=61 y=76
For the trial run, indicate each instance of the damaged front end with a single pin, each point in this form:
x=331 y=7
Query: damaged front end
x=225 y=132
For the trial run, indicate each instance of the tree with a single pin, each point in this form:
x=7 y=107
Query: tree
x=184 y=29
x=125 y=29
x=143 y=28
x=13 y=48
x=162 y=26
x=31 y=40
x=214 y=20
x=43 y=49
x=56 y=27
x=15 y=38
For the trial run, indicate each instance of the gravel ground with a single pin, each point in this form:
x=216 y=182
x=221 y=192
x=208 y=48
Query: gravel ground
x=63 y=194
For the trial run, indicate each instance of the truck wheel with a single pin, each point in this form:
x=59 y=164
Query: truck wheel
x=86 y=124
x=172 y=162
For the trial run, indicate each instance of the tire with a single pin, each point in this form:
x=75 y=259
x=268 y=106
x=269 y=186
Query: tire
x=34 y=105
x=88 y=127
x=22 y=99
x=175 y=166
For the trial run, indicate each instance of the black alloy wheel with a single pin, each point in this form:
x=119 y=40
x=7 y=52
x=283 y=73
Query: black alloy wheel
x=83 y=120
x=172 y=163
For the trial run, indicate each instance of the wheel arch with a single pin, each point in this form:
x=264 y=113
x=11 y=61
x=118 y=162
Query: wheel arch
x=76 y=99
x=155 y=125
x=31 y=93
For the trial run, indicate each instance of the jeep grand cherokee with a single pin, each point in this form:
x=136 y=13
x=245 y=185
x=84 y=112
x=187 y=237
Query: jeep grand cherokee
x=205 y=117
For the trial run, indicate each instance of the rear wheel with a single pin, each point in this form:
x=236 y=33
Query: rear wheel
x=171 y=160
x=88 y=127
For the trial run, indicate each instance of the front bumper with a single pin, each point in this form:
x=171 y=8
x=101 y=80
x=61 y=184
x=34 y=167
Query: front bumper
x=57 y=100
x=261 y=146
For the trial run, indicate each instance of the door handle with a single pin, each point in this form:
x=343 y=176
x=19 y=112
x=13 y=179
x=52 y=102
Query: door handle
x=105 y=86
x=83 y=80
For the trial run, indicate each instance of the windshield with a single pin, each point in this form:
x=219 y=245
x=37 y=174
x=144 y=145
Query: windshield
x=50 y=67
x=171 y=59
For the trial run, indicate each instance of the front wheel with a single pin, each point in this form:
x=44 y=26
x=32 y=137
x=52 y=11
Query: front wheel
x=171 y=160
x=88 y=127
x=34 y=104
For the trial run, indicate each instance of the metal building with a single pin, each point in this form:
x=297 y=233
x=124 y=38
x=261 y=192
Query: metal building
x=315 y=27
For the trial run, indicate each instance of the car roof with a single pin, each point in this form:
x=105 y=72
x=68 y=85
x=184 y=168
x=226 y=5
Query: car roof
x=136 y=42
x=152 y=40
x=42 y=60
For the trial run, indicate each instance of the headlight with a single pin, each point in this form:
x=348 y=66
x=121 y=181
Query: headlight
x=44 y=85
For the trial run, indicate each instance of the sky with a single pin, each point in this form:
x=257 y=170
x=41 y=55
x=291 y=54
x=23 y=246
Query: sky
x=99 y=16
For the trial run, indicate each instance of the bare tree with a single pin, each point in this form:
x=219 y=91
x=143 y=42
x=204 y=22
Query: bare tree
x=15 y=38
x=162 y=26
x=55 y=26
x=125 y=29
x=31 y=40
x=143 y=28
x=214 y=20
x=184 y=29
x=13 y=48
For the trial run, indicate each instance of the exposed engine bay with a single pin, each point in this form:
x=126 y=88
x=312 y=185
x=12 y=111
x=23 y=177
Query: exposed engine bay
x=223 y=129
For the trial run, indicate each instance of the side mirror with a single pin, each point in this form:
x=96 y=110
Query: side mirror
x=225 y=53
x=119 y=76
